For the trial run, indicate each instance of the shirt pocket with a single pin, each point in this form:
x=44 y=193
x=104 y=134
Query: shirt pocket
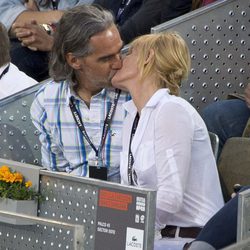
x=114 y=138
x=145 y=166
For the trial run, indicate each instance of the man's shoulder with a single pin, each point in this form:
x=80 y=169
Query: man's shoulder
x=50 y=98
x=53 y=90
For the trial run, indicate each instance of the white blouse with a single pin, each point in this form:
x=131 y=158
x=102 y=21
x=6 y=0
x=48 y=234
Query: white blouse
x=173 y=155
x=14 y=81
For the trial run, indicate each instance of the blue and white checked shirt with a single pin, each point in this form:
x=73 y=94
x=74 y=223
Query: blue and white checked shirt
x=63 y=146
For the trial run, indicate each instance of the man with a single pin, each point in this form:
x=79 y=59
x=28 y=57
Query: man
x=137 y=17
x=12 y=80
x=134 y=18
x=29 y=24
x=78 y=114
x=228 y=118
x=221 y=230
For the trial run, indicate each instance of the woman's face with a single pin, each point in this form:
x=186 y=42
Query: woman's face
x=128 y=75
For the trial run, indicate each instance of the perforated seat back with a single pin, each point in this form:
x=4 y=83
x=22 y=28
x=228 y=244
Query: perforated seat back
x=218 y=40
x=19 y=139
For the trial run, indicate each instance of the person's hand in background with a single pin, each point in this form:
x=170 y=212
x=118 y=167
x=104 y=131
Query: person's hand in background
x=34 y=36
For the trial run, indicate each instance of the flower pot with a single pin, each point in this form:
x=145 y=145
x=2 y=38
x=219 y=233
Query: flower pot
x=26 y=207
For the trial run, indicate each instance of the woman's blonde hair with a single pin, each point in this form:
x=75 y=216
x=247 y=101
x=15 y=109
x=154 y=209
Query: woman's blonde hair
x=170 y=63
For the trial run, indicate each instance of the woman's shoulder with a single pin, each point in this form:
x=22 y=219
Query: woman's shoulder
x=172 y=104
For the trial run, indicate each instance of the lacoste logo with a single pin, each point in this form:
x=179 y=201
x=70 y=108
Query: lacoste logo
x=134 y=238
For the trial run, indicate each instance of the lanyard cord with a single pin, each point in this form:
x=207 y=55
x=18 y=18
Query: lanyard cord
x=106 y=125
x=5 y=71
x=55 y=4
x=123 y=5
x=130 y=155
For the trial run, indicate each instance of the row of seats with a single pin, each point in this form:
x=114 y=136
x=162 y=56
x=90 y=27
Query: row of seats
x=217 y=37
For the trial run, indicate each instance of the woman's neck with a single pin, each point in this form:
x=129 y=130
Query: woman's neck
x=142 y=93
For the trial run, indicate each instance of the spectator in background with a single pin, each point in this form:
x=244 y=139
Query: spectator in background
x=30 y=25
x=221 y=230
x=167 y=146
x=136 y=17
x=12 y=80
x=133 y=17
x=228 y=118
x=85 y=55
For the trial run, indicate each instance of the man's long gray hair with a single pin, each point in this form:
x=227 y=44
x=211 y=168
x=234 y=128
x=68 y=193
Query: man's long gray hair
x=73 y=33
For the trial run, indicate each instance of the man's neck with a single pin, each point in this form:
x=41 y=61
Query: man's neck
x=86 y=94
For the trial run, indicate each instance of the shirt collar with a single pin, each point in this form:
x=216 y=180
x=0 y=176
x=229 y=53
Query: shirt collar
x=153 y=101
x=3 y=68
x=108 y=92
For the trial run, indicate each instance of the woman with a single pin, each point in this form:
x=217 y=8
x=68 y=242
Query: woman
x=166 y=144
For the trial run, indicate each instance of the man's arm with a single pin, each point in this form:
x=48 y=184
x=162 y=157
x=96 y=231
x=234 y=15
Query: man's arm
x=148 y=15
x=40 y=17
x=16 y=11
x=26 y=27
x=34 y=36
x=13 y=10
x=52 y=16
x=9 y=10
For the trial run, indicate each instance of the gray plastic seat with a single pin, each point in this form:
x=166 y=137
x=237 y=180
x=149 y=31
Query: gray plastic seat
x=214 y=139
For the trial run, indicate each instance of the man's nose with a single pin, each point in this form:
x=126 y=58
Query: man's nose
x=117 y=63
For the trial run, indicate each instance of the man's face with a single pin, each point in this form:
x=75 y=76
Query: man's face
x=99 y=67
x=129 y=74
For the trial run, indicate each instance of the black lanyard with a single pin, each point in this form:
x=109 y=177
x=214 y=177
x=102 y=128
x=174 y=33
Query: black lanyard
x=130 y=155
x=106 y=125
x=123 y=5
x=55 y=4
x=5 y=71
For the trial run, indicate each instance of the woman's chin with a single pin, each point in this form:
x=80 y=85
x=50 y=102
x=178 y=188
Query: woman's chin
x=118 y=86
x=114 y=82
x=118 y=83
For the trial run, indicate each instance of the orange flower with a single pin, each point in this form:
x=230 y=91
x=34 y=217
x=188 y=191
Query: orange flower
x=14 y=186
x=28 y=184
x=12 y=178
x=4 y=169
x=7 y=177
x=18 y=177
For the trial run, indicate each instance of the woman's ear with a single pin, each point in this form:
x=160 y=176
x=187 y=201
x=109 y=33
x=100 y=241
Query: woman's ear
x=73 y=61
x=150 y=56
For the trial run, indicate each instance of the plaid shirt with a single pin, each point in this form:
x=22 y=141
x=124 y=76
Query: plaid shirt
x=63 y=146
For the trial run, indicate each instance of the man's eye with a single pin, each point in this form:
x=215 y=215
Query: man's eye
x=106 y=59
x=128 y=52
